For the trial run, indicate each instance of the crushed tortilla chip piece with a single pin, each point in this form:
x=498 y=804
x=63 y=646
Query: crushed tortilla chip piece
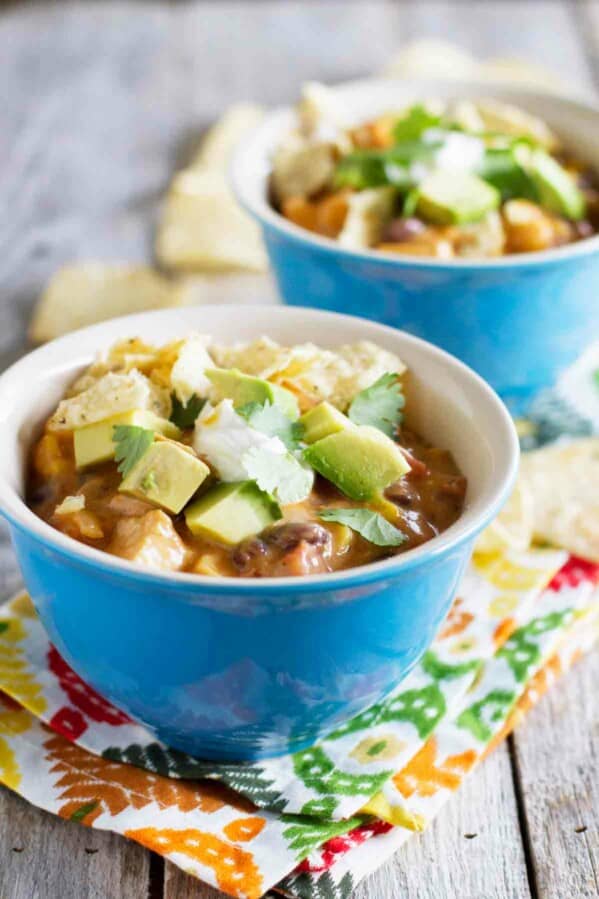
x=313 y=374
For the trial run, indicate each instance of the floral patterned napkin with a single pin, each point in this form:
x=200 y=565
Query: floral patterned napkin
x=219 y=835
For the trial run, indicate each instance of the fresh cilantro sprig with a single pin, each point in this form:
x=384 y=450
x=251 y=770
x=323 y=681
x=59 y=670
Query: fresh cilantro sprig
x=379 y=405
x=412 y=126
x=131 y=442
x=370 y=525
x=184 y=414
x=281 y=475
x=269 y=419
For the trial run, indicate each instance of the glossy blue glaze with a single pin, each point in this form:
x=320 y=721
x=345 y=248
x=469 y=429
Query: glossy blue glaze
x=517 y=325
x=232 y=673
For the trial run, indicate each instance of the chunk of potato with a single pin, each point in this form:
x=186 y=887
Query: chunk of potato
x=150 y=540
x=301 y=168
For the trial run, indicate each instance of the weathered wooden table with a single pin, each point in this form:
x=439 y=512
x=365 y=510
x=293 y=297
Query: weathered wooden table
x=98 y=103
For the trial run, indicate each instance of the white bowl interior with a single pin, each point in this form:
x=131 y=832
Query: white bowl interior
x=449 y=404
x=576 y=123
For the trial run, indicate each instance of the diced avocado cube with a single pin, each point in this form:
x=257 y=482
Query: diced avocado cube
x=361 y=461
x=93 y=443
x=557 y=189
x=230 y=383
x=448 y=198
x=321 y=421
x=168 y=474
x=229 y=513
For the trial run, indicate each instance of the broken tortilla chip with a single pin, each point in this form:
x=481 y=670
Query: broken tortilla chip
x=223 y=137
x=513 y=527
x=564 y=482
x=202 y=227
x=92 y=292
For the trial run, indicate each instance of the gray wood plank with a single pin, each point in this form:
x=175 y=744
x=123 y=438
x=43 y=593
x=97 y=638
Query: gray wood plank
x=557 y=755
x=178 y=885
x=586 y=14
x=44 y=857
x=472 y=850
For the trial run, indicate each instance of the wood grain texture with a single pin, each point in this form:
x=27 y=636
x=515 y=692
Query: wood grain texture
x=44 y=857
x=472 y=850
x=557 y=756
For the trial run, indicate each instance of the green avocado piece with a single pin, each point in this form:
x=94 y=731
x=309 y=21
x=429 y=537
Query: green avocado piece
x=168 y=474
x=556 y=188
x=361 y=461
x=93 y=443
x=455 y=198
x=230 y=383
x=229 y=513
x=321 y=421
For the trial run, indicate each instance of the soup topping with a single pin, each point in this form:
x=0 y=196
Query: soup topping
x=254 y=460
x=446 y=180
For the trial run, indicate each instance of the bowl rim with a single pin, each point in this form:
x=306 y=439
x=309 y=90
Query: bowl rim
x=14 y=508
x=261 y=210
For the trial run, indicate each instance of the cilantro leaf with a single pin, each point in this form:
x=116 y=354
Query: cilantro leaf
x=370 y=525
x=131 y=442
x=416 y=121
x=184 y=414
x=281 y=475
x=269 y=419
x=379 y=405
x=361 y=169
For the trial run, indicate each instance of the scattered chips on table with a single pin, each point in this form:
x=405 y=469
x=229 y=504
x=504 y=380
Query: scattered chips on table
x=555 y=502
x=564 y=481
x=88 y=293
x=202 y=226
x=221 y=139
x=513 y=527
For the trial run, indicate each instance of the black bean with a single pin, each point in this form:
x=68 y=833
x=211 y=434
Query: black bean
x=401 y=230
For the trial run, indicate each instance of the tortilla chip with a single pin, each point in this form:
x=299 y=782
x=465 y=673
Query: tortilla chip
x=203 y=228
x=81 y=295
x=564 y=482
x=513 y=527
x=223 y=137
x=432 y=58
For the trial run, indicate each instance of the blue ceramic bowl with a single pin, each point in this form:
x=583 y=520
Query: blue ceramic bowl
x=517 y=320
x=238 y=669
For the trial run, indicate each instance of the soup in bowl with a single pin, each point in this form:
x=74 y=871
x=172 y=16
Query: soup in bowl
x=214 y=561
x=465 y=214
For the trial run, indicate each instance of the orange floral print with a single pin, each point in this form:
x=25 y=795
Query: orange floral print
x=457 y=620
x=503 y=631
x=235 y=869
x=424 y=776
x=244 y=829
x=92 y=786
